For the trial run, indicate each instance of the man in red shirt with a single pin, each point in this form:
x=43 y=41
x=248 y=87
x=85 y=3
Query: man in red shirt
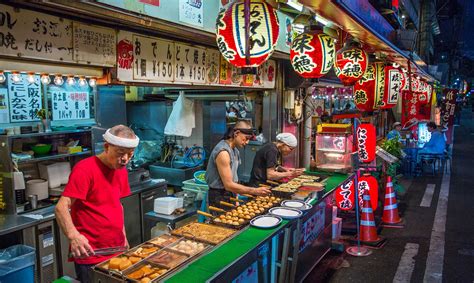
x=89 y=211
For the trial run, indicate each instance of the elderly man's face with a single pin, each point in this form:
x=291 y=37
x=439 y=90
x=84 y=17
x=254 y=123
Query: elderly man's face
x=117 y=156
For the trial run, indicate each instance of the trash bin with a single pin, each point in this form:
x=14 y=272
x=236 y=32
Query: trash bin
x=17 y=264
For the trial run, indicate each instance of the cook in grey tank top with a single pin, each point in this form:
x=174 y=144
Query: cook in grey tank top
x=213 y=178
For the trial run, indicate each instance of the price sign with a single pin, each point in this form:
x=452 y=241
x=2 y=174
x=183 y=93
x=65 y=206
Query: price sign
x=190 y=64
x=94 y=44
x=312 y=227
x=70 y=105
x=25 y=99
x=153 y=59
x=30 y=34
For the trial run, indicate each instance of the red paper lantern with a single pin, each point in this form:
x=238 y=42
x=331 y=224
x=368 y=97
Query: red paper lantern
x=312 y=54
x=351 y=63
x=366 y=142
x=369 y=89
x=345 y=196
x=263 y=33
x=393 y=87
x=424 y=95
x=368 y=182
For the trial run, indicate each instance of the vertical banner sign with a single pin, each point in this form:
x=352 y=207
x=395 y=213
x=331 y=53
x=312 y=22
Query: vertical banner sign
x=94 y=44
x=379 y=84
x=153 y=59
x=364 y=90
x=70 y=105
x=368 y=182
x=393 y=87
x=190 y=64
x=447 y=112
x=345 y=196
x=25 y=99
x=366 y=142
x=4 y=118
x=410 y=107
x=191 y=12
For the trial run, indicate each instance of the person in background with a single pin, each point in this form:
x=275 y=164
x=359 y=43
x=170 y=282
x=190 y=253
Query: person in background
x=89 y=211
x=266 y=164
x=224 y=161
x=395 y=132
x=437 y=142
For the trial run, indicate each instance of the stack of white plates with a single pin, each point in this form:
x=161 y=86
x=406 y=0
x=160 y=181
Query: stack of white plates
x=37 y=187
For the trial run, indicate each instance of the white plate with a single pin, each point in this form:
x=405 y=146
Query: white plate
x=298 y=204
x=265 y=221
x=286 y=212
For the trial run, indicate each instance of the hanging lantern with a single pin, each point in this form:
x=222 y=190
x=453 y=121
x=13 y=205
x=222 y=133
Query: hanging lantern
x=262 y=33
x=351 y=63
x=404 y=79
x=366 y=142
x=312 y=54
x=422 y=93
x=369 y=90
x=369 y=182
x=393 y=87
x=345 y=196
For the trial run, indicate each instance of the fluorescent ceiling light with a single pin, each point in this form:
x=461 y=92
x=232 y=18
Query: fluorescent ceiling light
x=293 y=4
x=322 y=20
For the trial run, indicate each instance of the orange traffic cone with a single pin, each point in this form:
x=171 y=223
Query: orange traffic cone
x=390 y=208
x=368 y=231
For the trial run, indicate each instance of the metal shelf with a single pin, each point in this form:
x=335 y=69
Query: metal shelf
x=31 y=135
x=54 y=156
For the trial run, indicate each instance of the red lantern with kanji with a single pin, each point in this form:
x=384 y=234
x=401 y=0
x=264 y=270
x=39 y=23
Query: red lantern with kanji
x=423 y=96
x=368 y=91
x=345 y=196
x=312 y=54
x=231 y=33
x=393 y=87
x=351 y=63
x=369 y=182
x=366 y=142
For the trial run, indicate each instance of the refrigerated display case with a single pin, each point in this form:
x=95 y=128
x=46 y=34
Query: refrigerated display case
x=334 y=147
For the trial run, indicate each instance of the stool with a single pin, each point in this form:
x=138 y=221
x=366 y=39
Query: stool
x=432 y=158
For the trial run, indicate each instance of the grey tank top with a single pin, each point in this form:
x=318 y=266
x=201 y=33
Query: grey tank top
x=213 y=178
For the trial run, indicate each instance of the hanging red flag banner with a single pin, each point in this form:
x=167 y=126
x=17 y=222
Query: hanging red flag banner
x=351 y=63
x=369 y=182
x=231 y=33
x=410 y=107
x=345 y=196
x=312 y=54
x=366 y=142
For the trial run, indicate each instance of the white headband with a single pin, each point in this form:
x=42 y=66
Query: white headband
x=118 y=141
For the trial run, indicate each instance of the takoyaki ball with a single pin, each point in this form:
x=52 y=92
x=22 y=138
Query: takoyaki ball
x=222 y=216
x=252 y=214
x=247 y=217
x=217 y=220
x=241 y=221
x=235 y=223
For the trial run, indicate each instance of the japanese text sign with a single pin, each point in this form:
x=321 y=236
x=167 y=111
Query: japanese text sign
x=25 y=98
x=70 y=105
x=366 y=142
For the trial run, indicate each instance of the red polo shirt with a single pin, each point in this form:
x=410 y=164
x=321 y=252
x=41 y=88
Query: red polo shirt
x=97 y=212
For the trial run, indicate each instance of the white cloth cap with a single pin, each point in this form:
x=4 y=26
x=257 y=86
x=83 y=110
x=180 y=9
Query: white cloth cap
x=118 y=141
x=288 y=139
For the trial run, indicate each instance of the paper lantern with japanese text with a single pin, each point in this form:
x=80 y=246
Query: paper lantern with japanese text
x=423 y=93
x=369 y=182
x=393 y=87
x=312 y=54
x=263 y=33
x=351 y=63
x=366 y=142
x=369 y=89
x=345 y=196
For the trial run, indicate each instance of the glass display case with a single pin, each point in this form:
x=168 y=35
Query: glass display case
x=334 y=147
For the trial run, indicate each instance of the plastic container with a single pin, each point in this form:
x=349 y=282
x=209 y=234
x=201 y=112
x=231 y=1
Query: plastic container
x=197 y=179
x=167 y=205
x=199 y=189
x=17 y=264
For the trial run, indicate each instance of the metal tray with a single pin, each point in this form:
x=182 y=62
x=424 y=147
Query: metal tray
x=138 y=266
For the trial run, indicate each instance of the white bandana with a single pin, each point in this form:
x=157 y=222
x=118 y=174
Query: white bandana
x=118 y=141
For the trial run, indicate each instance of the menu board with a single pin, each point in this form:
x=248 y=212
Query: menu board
x=94 y=44
x=191 y=12
x=30 y=34
x=70 y=105
x=25 y=98
x=153 y=59
x=190 y=64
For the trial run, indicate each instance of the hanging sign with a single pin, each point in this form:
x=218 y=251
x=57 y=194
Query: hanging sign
x=4 y=118
x=94 y=44
x=191 y=12
x=379 y=84
x=231 y=30
x=29 y=34
x=70 y=105
x=212 y=66
x=312 y=54
x=345 y=196
x=410 y=107
x=350 y=64
x=447 y=111
x=190 y=64
x=369 y=182
x=25 y=98
x=366 y=142
x=364 y=90
x=393 y=87
x=153 y=59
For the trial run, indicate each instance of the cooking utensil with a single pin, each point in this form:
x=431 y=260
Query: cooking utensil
x=227 y=204
x=216 y=209
x=106 y=251
x=272 y=183
x=237 y=200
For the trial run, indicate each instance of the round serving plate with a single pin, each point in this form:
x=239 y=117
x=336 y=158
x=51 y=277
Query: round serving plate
x=286 y=212
x=298 y=204
x=266 y=221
